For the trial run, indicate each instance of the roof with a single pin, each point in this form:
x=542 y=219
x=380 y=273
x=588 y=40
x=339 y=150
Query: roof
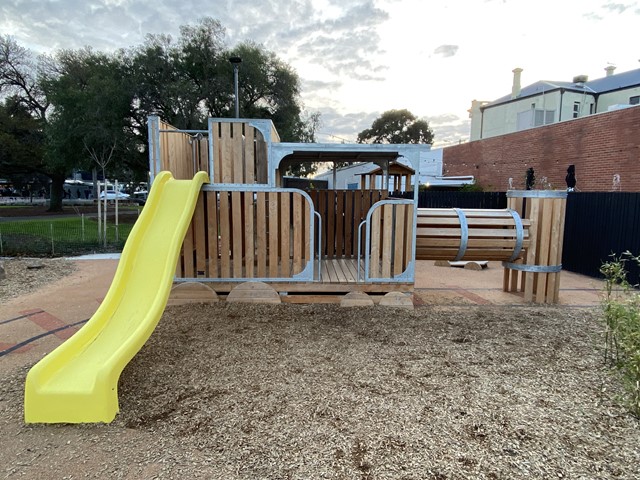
x=598 y=86
x=395 y=168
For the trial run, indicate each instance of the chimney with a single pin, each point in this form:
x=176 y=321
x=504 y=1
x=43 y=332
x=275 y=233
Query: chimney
x=516 y=88
x=610 y=69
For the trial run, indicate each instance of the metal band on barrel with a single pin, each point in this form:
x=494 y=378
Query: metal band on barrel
x=464 y=234
x=533 y=268
x=519 y=235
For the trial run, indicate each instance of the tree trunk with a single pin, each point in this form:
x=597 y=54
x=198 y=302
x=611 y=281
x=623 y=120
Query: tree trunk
x=57 y=192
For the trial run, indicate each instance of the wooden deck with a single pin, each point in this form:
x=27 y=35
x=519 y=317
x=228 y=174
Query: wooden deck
x=339 y=277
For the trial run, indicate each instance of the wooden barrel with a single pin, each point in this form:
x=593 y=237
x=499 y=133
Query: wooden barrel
x=470 y=234
x=538 y=274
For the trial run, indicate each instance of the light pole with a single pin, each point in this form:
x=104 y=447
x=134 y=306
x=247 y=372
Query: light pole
x=235 y=61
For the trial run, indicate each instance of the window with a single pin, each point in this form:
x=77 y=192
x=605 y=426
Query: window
x=544 y=117
x=535 y=118
x=576 y=109
x=591 y=106
x=634 y=100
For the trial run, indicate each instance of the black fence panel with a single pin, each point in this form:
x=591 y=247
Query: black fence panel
x=597 y=225
x=444 y=199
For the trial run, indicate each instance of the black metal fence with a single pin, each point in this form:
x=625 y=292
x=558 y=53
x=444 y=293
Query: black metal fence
x=597 y=224
x=444 y=199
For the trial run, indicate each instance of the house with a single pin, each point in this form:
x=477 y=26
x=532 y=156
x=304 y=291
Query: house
x=371 y=175
x=547 y=102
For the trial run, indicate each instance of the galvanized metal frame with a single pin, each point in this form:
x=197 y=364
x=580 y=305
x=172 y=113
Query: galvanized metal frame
x=306 y=275
x=409 y=273
x=533 y=268
x=464 y=234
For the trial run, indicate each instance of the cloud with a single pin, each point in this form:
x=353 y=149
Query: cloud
x=446 y=50
x=593 y=16
x=338 y=127
x=312 y=86
x=443 y=119
x=617 y=7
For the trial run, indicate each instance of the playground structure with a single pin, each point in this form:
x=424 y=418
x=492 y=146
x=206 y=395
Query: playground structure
x=317 y=245
x=224 y=221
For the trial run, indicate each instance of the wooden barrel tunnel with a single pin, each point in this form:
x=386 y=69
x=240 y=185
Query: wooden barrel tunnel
x=470 y=234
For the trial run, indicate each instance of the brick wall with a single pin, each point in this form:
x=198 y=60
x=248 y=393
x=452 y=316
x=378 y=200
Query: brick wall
x=598 y=145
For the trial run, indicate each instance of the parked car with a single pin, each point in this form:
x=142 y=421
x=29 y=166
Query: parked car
x=111 y=195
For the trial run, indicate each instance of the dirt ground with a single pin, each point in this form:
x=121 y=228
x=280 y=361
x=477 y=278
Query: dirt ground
x=231 y=391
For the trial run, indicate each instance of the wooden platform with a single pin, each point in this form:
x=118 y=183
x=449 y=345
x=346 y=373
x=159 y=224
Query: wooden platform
x=339 y=277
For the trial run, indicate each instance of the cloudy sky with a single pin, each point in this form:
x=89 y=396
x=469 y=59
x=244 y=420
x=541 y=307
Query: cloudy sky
x=358 y=58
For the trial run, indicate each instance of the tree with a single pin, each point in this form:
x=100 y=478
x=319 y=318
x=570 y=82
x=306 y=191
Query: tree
x=21 y=137
x=21 y=74
x=92 y=99
x=397 y=126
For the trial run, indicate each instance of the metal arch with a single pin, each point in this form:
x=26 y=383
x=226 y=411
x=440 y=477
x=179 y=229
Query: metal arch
x=464 y=234
x=307 y=273
x=519 y=234
x=407 y=275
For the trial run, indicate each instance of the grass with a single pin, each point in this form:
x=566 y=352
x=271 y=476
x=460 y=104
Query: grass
x=58 y=236
x=622 y=330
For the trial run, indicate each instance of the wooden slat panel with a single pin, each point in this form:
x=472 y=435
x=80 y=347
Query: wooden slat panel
x=387 y=239
x=217 y=153
x=188 y=264
x=349 y=220
x=199 y=222
x=558 y=238
x=374 y=259
x=237 y=228
x=249 y=236
x=298 y=231
x=237 y=149
x=339 y=223
x=249 y=155
x=543 y=248
x=226 y=150
x=399 y=229
x=357 y=219
x=261 y=234
x=331 y=223
x=306 y=219
x=408 y=238
x=532 y=250
x=212 y=233
x=225 y=236
x=285 y=234
x=273 y=234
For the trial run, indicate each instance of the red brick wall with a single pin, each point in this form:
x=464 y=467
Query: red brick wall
x=598 y=145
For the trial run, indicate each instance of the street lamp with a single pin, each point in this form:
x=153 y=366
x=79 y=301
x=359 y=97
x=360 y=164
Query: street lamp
x=235 y=61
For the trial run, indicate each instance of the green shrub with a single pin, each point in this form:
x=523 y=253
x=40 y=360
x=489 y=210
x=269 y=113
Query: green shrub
x=621 y=308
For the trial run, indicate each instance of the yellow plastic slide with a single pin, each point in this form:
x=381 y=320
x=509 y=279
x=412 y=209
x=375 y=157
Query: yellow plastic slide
x=78 y=381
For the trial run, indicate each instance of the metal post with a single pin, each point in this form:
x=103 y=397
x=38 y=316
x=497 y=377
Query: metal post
x=53 y=251
x=117 y=192
x=235 y=61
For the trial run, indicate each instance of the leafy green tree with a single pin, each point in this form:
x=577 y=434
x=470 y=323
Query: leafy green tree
x=21 y=138
x=397 y=126
x=21 y=74
x=92 y=99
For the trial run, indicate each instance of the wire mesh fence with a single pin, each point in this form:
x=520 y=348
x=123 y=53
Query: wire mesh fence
x=60 y=237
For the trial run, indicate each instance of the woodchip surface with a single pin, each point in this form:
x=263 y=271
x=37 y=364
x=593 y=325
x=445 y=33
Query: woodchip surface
x=232 y=391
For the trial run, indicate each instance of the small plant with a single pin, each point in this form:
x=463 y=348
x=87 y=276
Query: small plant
x=621 y=308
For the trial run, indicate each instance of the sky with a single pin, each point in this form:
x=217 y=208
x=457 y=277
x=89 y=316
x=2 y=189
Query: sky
x=359 y=58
